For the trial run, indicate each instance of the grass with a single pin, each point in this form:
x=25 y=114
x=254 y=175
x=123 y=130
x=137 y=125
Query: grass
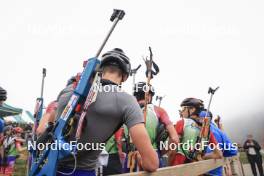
x=243 y=158
x=20 y=167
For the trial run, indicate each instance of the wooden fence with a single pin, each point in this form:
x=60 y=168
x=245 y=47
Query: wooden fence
x=192 y=169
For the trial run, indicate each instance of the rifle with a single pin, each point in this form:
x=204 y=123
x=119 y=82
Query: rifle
x=38 y=111
x=39 y=105
x=84 y=94
x=205 y=130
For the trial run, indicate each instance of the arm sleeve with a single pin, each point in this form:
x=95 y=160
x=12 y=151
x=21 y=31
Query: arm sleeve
x=256 y=145
x=245 y=145
x=230 y=150
x=179 y=127
x=162 y=115
x=132 y=114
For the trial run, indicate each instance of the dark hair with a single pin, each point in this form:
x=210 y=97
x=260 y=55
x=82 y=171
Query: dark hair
x=112 y=69
x=116 y=57
x=193 y=103
x=140 y=96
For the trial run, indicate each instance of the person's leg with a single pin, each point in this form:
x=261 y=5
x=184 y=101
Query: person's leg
x=252 y=161
x=259 y=164
x=253 y=168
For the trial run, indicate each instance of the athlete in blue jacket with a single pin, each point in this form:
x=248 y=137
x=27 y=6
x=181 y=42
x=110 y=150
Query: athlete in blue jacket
x=224 y=142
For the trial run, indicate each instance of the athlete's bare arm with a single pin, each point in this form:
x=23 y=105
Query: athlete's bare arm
x=140 y=138
x=174 y=138
x=47 y=117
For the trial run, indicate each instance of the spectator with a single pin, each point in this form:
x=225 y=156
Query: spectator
x=253 y=154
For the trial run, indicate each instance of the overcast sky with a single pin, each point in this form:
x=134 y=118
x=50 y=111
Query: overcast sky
x=197 y=44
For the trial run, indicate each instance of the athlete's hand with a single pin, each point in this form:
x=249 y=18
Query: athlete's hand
x=122 y=155
x=174 y=138
x=199 y=157
x=140 y=137
x=139 y=159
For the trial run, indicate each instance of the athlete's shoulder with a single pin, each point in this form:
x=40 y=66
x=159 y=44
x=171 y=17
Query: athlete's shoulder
x=160 y=110
x=179 y=126
x=180 y=122
x=124 y=96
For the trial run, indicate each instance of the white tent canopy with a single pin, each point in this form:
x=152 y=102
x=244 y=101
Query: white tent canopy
x=24 y=118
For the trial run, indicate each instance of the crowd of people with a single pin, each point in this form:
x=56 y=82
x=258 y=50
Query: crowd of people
x=13 y=138
x=133 y=141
